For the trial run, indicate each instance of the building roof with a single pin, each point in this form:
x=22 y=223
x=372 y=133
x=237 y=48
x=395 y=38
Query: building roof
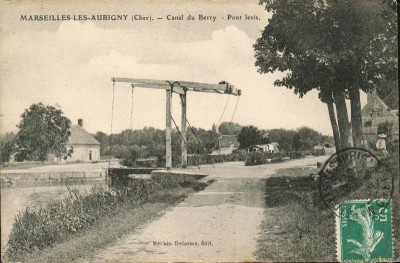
x=376 y=104
x=255 y=146
x=274 y=144
x=80 y=136
x=318 y=147
x=269 y=146
x=226 y=140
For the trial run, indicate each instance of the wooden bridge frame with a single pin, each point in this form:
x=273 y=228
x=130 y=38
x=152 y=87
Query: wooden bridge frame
x=181 y=88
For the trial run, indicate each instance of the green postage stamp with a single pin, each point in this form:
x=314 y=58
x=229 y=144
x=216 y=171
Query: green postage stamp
x=364 y=231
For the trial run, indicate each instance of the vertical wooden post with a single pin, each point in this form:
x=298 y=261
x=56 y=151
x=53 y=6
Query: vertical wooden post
x=168 y=129
x=183 y=131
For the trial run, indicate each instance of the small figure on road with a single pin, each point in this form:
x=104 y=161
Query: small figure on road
x=381 y=144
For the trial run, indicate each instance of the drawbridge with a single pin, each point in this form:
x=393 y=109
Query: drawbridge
x=182 y=88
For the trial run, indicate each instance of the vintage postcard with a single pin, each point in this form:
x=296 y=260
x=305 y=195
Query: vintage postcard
x=199 y=131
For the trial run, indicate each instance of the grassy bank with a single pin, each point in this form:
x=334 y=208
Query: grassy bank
x=292 y=226
x=83 y=223
x=296 y=227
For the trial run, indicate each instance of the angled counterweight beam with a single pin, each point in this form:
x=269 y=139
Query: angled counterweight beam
x=223 y=88
x=147 y=84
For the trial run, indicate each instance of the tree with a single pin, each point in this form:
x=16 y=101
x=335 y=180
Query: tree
x=6 y=150
x=308 y=138
x=265 y=137
x=248 y=136
x=389 y=93
x=229 y=128
x=43 y=130
x=297 y=142
x=104 y=141
x=7 y=146
x=337 y=47
x=283 y=137
x=385 y=128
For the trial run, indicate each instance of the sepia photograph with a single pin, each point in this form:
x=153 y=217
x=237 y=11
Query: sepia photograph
x=199 y=131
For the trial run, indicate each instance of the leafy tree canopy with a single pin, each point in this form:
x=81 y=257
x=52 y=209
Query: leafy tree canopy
x=332 y=44
x=43 y=130
x=249 y=135
x=389 y=93
x=284 y=138
x=152 y=142
x=229 y=128
x=6 y=146
x=302 y=139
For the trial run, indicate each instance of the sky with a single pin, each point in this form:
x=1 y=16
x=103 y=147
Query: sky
x=71 y=63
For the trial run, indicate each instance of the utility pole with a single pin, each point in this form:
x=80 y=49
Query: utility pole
x=183 y=130
x=168 y=129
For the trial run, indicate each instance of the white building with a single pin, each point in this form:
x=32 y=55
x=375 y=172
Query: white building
x=84 y=147
x=268 y=148
x=226 y=144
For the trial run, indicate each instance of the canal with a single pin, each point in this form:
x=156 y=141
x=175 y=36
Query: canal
x=33 y=195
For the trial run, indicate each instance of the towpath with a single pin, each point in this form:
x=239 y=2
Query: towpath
x=217 y=224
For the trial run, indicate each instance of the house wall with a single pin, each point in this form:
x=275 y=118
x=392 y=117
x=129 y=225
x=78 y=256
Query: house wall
x=374 y=113
x=375 y=121
x=82 y=153
x=371 y=131
x=268 y=148
x=225 y=150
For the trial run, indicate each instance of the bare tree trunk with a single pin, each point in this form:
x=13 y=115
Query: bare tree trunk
x=356 y=119
x=335 y=128
x=343 y=120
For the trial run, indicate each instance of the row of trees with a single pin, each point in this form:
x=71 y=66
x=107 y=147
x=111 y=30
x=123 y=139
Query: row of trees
x=301 y=139
x=44 y=131
x=149 y=141
x=337 y=47
x=130 y=145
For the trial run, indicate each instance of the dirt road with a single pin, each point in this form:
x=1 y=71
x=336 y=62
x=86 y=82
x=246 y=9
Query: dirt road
x=218 y=224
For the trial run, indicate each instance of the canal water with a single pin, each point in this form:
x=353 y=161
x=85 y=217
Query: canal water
x=17 y=198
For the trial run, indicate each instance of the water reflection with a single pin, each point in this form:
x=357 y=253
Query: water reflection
x=33 y=195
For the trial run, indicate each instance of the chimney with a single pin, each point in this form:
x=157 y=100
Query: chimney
x=80 y=122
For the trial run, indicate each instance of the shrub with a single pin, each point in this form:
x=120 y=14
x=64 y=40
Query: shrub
x=385 y=128
x=277 y=160
x=258 y=158
x=255 y=158
x=148 y=162
x=296 y=155
x=220 y=158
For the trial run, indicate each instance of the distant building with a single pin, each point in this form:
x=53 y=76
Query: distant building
x=319 y=150
x=324 y=149
x=269 y=148
x=84 y=147
x=374 y=113
x=226 y=144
